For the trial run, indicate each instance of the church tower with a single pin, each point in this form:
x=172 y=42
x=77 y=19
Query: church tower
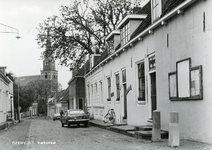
x=49 y=72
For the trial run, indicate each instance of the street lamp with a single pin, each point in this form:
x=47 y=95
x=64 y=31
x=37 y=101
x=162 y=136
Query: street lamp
x=9 y=29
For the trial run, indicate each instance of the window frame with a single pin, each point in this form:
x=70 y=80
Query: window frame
x=156 y=9
x=109 y=88
x=141 y=85
x=117 y=83
x=125 y=33
x=89 y=94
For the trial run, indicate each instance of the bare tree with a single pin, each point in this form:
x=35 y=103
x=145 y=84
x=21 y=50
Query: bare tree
x=80 y=29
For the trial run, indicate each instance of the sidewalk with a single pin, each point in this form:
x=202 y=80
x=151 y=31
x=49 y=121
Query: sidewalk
x=163 y=144
x=7 y=124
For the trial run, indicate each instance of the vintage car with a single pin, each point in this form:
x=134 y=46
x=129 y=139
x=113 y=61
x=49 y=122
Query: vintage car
x=56 y=116
x=75 y=116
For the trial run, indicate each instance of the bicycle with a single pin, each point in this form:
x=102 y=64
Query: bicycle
x=110 y=116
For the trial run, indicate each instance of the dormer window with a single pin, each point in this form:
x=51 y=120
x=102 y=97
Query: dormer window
x=125 y=34
x=128 y=25
x=111 y=46
x=156 y=9
x=113 y=40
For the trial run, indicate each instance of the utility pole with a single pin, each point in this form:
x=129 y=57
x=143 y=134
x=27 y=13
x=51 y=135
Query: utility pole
x=18 y=103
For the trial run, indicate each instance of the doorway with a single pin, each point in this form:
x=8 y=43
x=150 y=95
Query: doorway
x=153 y=92
x=80 y=103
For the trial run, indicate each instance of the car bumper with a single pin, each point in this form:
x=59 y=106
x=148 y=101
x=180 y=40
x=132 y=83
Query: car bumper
x=78 y=121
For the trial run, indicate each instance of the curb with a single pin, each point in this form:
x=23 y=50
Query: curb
x=6 y=125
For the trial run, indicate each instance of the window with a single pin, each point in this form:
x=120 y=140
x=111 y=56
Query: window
x=88 y=98
x=124 y=76
x=91 y=93
x=141 y=82
x=156 y=9
x=96 y=87
x=117 y=88
x=152 y=65
x=96 y=94
x=109 y=88
x=46 y=75
x=49 y=75
x=111 y=45
x=100 y=82
x=125 y=34
x=101 y=92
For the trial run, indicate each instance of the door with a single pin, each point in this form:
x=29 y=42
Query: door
x=153 y=92
x=80 y=103
x=125 y=100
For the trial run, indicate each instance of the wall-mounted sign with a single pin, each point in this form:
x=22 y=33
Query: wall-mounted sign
x=183 y=78
x=186 y=82
x=172 y=85
x=128 y=89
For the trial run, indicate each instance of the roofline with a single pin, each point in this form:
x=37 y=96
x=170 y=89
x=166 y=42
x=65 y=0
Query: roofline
x=129 y=17
x=74 y=78
x=161 y=21
x=114 y=32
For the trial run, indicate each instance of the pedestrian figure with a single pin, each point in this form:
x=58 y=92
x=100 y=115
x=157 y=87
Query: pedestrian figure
x=61 y=113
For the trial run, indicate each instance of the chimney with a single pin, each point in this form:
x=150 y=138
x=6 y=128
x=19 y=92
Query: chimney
x=74 y=72
x=93 y=58
x=3 y=70
x=136 y=10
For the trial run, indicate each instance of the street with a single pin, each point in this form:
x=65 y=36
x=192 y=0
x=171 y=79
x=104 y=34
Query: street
x=46 y=134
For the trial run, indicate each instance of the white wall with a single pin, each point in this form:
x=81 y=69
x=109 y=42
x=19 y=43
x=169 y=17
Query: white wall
x=186 y=40
x=95 y=107
x=4 y=100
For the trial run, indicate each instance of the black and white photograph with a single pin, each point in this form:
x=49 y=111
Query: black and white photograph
x=105 y=74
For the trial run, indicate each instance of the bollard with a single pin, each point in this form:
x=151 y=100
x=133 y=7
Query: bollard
x=174 y=136
x=156 y=126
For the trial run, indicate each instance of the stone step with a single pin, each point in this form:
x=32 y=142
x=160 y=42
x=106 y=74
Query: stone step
x=122 y=129
x=120 y=124
x=148 y=134
x=131 y=133
x=143 y=128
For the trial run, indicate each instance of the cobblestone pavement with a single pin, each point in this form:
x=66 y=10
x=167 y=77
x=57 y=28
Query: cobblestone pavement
x=45 y=134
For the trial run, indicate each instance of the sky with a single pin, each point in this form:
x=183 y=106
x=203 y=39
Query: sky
x=22 y=56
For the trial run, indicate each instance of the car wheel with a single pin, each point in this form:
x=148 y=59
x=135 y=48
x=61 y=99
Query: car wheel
x=62 y=124
x=69 y=124
x=53 y=119
x=86 y=124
